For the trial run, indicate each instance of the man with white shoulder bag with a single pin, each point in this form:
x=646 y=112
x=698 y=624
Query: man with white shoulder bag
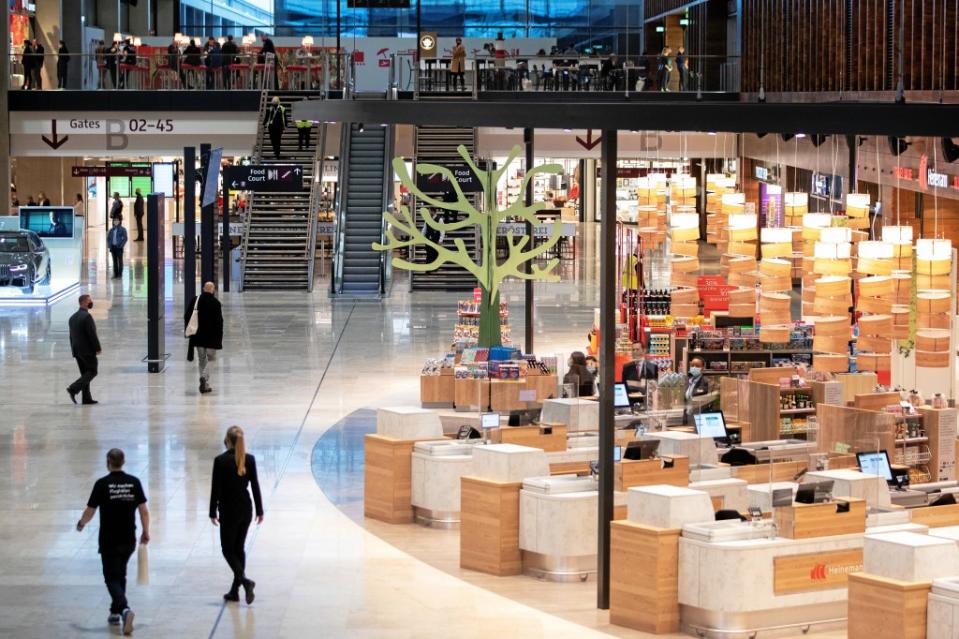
x=204 y=328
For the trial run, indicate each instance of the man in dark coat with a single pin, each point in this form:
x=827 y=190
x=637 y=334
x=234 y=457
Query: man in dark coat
x=138 y=211
x=209 y=331
x=276 y=122
x=85 y=346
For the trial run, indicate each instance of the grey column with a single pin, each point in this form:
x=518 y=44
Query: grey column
x=607 y=357
x=47 y=31
x=72 y=22
x=189 y=223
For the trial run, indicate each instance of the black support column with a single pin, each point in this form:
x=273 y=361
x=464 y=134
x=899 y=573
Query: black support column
x=607 y=356
x=207 y=246
x=156 y=283
x=528 y=144
x=189 y=224
x=853 y=143
x=225 y=241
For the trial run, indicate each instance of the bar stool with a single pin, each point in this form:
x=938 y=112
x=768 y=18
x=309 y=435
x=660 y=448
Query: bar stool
x=103 y=74
x=297 y=76
x=195 y=75
x=240 y=75
x=166 y=77
x=217 y=73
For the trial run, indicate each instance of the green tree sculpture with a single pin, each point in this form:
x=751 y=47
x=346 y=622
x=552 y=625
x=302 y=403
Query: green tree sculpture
x=488 y=272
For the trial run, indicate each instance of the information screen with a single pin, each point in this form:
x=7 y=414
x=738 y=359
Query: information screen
x=163 y=178
x=48 y=221
x=711 y=425
x=489 y=420
x=620 y=396
x=875 y=464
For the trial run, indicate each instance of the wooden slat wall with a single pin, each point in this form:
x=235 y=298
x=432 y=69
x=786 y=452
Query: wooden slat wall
x=803 y=45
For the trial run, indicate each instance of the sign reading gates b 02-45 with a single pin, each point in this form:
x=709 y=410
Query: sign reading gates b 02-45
x=264 y=177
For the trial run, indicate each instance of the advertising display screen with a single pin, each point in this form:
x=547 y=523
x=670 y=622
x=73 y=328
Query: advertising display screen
x=48 y=221
x=163 y=178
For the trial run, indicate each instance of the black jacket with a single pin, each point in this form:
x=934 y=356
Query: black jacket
x=138 y=206
x=580 y=376
x=276 y=118
x=701 y=386
x=632 y=372
x=83 y=334
x=229 y=50
x=209 y=332
x=228 y=492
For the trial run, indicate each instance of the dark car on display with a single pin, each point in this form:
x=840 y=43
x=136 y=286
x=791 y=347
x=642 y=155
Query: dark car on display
x=24 y=260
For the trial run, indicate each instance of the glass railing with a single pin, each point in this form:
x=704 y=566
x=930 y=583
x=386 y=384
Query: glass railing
x=399 y=75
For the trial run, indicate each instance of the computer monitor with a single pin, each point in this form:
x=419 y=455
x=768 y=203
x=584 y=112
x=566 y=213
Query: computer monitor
x=489 y=420
x=641 y=449
x=876 y=464
x=711 y=425
x=620 y=396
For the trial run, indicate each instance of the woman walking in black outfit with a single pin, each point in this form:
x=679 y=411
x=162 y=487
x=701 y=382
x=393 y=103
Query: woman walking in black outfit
x=233 y=471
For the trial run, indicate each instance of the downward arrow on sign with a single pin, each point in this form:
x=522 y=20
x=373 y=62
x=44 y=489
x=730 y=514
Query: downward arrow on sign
x=589 y=143
x=56 y=142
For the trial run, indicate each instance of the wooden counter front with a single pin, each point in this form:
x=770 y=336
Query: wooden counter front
x=881 y=608
x=802 y=521
x=760 y=473
x=650 y=472
x=436 y=391
x=644 y=577
x=935 y=516
x=471 y=394
x=532 y=436
x=489 y=526
x=387 y=475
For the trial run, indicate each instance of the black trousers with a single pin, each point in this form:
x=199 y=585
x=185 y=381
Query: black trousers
x=117 y=255
x=139 y=219
x=276 y=135
x=88 y=370
x=114 y=560
x=303 y=137
x=233 y=529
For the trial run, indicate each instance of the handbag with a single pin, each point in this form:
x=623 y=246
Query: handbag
x=194 y=324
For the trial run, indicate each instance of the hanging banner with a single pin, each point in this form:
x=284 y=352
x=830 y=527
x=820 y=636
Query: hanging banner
x=714 y=292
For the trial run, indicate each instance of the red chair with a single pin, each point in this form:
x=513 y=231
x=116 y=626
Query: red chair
x=240 y=75
x=166 y=77
x=128 y=75
x=195 y=75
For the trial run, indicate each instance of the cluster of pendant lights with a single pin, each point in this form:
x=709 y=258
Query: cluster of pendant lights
x=842 y=270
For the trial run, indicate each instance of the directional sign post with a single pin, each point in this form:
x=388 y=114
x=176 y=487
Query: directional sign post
x=264 y=178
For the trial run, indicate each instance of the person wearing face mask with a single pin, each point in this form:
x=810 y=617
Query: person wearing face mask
x=697 y=384
x=579 y=374
x=85 y=346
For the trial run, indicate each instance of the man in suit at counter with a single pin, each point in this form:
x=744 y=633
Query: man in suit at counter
x=639 y=369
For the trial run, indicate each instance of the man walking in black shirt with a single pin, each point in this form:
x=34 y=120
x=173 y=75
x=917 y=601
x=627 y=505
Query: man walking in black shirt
x=84 y=346
x=118 y=496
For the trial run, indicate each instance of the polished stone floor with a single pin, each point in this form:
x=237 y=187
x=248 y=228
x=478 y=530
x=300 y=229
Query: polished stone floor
x=293 y=366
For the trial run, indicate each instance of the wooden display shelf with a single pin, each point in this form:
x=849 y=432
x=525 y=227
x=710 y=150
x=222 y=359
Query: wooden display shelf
x=436 y=391
x=489 y=526
x=471 y=394
x=774 y=471
x=881 y=608
x=387 y=479
x=644 y=577
x=802 y=521
x=650 y=472
x=532 y=436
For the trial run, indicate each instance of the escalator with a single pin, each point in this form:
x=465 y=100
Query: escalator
x=365 y=180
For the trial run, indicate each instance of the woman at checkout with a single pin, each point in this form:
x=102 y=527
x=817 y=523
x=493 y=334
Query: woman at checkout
x=697 y=384
x=579 y=375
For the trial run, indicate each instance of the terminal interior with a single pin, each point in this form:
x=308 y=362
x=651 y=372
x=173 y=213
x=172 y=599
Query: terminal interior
x=567 y=319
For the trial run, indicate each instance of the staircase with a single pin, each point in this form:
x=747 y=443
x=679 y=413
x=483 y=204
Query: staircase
x=280 y=235
x=366 y=177
x=437 y=145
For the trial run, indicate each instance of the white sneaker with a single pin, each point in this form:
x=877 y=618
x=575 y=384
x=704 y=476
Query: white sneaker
x=127 y=616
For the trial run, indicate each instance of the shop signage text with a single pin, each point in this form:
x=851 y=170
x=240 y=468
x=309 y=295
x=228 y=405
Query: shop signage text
x=434 y=182
x=714 y=292
x=815 y=571
x=112 y=171
x=273 y=177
